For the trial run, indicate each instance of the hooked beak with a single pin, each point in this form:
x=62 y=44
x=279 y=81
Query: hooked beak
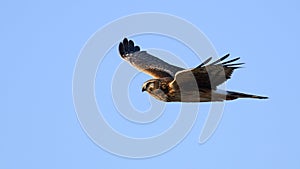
x=144 y=88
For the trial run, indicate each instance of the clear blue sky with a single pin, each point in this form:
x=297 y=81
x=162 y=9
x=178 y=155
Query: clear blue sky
x=40 y=43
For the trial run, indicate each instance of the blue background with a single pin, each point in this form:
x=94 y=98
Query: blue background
x=40 y=43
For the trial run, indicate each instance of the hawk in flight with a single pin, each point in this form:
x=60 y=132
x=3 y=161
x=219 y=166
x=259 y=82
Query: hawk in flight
x=175 y=84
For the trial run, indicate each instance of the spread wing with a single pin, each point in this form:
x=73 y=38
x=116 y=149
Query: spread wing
x=145 y=62
x=208 y=75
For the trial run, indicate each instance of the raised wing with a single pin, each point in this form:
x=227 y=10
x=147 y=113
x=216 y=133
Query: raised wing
x=145 y=62
x=208 y=75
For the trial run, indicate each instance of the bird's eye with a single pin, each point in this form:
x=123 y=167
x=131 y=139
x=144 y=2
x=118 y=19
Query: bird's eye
x=151 y=86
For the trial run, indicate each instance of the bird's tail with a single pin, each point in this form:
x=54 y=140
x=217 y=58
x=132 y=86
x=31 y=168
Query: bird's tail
x=234 y=95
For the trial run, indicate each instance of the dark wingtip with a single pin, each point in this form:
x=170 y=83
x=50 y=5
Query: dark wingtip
x=220 y=59
x=137 y=48
x=121 y=49
x=225 y=56
x=232 y=60
x=127 y=47
x=205 y=62
x=131 y=46
x=125 y=41
x=234 y=64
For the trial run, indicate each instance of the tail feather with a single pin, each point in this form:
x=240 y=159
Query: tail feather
x=234 y=95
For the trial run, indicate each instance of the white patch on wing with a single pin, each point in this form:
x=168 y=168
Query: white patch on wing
x=218 y=91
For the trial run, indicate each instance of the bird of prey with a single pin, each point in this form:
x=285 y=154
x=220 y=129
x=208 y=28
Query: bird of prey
x=175 y=84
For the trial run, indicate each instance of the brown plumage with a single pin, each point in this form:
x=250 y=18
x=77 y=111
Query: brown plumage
x=175 y=84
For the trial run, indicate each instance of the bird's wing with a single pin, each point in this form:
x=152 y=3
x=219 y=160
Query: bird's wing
x=145 y=62
x=208 y=75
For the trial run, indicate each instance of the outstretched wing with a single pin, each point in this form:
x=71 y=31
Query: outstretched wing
x=145 y=62
x=209 y=75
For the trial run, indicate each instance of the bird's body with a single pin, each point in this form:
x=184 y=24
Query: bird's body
x=175 y=84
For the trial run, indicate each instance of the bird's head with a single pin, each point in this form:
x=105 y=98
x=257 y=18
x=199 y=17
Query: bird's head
x=157 y=88
x=151 y=85
x=157 y=85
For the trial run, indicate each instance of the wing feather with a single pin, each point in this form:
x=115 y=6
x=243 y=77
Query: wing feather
x=145 y=62
x=208 y=76
x=205 y=62
x=219 y=60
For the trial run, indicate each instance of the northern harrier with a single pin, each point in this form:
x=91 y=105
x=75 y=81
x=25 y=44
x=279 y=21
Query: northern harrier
x=176 y=84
